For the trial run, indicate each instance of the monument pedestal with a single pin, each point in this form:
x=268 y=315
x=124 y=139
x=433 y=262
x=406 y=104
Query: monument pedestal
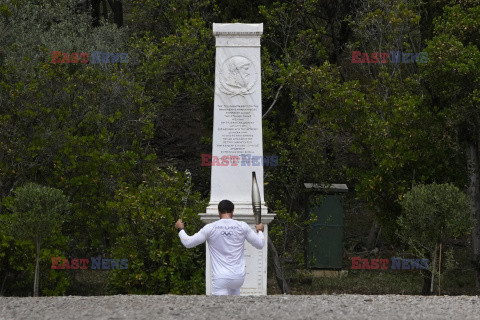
x=237 y=146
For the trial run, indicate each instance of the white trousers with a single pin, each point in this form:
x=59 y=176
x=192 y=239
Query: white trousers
x=226 y=287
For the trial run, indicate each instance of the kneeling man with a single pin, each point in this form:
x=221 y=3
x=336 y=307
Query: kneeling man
x=226 y=238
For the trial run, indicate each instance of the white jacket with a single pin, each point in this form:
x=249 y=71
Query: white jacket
x=226 y=239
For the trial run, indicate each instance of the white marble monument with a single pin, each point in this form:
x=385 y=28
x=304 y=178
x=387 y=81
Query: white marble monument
x=237 y=148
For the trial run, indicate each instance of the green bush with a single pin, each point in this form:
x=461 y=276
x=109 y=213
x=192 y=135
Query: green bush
x=34 y=224
x=431 y=215
x=157 y=261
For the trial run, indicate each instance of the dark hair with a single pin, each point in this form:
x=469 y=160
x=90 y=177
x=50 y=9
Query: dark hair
x=226 y=206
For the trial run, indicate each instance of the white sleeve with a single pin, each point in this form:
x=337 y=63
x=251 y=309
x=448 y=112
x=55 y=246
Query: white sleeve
x=256 y=240
x=192 y=241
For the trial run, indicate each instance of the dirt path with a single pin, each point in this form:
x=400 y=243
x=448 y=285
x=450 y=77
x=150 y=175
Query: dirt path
x=249 y=307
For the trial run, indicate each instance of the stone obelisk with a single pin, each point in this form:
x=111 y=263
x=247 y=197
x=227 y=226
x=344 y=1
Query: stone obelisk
x=237 y=148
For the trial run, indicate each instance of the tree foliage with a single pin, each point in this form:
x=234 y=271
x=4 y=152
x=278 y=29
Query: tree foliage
x=157 y=262
x=432 y=214
x=37 y=215
x=100 y=132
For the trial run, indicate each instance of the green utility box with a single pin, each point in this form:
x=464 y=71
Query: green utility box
x=325 y=236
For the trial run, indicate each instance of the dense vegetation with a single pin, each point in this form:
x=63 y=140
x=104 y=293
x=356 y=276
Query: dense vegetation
x=115 y=139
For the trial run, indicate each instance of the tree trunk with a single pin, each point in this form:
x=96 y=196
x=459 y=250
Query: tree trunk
x=433 y=268
x=37 y=271
x=117 y=9
x=439 y=268
x=95 y=12
x=105 y=10
x=282 y=283
x=474 y=193
x=373 y=235
x=427 y=278
x=3 y=285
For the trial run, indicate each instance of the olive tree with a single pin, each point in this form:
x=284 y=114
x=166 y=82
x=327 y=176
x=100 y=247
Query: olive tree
x=431 y=214
x=36 y=212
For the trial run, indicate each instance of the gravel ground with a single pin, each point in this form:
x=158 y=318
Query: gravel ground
x=343 y=306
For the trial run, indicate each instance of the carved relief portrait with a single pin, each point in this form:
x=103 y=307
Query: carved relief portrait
x=237 y=76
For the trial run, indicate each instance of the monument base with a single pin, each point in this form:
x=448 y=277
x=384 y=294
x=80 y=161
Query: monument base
x=255 y=259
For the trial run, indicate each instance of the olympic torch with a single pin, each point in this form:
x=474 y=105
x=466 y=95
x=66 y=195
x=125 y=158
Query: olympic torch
x=256 y=201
